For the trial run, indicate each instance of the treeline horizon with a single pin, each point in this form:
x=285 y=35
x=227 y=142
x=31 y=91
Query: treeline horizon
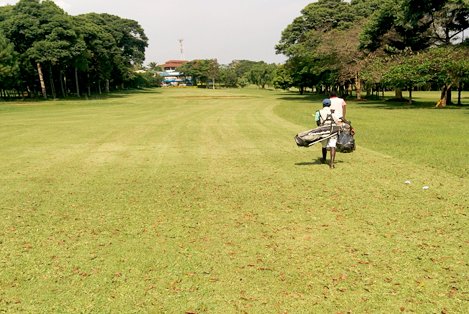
x=358 y=46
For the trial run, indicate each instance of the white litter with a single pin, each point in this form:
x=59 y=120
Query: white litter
x=407 y=182
x=426 y=187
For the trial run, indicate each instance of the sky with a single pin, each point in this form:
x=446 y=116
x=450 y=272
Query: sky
x=225 y=30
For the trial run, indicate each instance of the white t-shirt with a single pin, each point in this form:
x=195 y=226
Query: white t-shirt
x=337 y=104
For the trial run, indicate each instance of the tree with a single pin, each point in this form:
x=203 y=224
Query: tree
x=261 y=74
x=53 y=46
x=97 y=56
x=22 y=26
x=154 y=67
x=414 y=24
x=128 y=44
x=314 y=43
x=343 y=56
x=321 y=16
x=42 y=34
x=446 y=19
x=394 y=28
x=9 y=66
x=282 y=78
x=406 y=27
x=228 y=76
x=447 y=66
x=408 y=73
x=201 y=71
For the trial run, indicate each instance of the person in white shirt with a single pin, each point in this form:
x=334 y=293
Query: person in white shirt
x=338 y=104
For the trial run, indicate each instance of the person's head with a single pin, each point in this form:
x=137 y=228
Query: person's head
x=333 y=93
x=326 y=102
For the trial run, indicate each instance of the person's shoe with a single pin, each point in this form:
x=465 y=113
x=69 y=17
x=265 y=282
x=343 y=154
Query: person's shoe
x=332 y=166
x=323 y=161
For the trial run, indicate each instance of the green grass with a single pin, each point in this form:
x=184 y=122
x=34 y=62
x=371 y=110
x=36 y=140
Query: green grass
x=199 y=201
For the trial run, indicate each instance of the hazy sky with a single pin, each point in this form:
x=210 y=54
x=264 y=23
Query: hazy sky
x=222 y=29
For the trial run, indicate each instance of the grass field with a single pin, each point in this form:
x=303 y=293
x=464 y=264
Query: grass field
x=199 y=201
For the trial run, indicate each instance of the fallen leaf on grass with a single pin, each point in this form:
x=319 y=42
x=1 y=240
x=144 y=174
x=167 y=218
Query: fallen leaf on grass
x=452 y=292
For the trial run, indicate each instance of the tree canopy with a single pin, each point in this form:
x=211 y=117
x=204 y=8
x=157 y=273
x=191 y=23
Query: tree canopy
x=336 y=44
x=56 y=49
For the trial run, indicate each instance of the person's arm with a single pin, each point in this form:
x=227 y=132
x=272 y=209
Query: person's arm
x=317 y=118
x=344 y=109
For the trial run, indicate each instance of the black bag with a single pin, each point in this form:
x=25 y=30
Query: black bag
x=345 y=142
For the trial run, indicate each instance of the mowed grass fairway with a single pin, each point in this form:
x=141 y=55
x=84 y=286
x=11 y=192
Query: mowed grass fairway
x=199 y=201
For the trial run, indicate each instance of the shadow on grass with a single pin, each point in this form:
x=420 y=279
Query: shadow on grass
x=392 y=104
x=315 y=162
x=111 y=95
x=387 y=103
x=310 y=98
x=114 y=94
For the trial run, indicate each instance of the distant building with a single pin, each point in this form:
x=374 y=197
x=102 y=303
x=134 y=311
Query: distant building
x=171 y=77
x=172 y=65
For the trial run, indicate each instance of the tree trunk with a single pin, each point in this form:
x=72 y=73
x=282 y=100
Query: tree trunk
x=459 y=93
x=77 y=85
x=88 y=84
x=107 y=86
x=41 y=80
x=445 y=93
x=61 y=79
x=51 y=82
x=449 y=100
x=398 y=93
x=99 y=86
x=358 y=87
x=410 y=95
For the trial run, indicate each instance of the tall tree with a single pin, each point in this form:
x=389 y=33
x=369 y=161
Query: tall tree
x=9 y=66
x=415 y=24
x=412 y=26
x=54 y=46
x=321 y=16
x=449 y=22
x=130 y=43
x=42 y=33
x=314 y=43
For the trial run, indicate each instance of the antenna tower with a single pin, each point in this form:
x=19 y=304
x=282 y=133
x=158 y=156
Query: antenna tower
x=181 y=48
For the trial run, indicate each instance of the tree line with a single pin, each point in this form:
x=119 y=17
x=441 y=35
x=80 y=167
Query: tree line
x=372 y=45
x=46 y=52
x=238 y=73
x=352 y=46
